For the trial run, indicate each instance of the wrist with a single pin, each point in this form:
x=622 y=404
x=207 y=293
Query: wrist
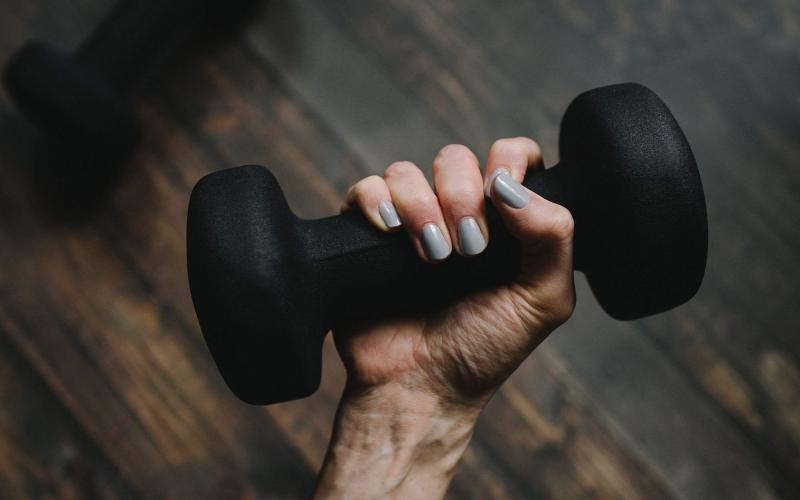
x=392 y=440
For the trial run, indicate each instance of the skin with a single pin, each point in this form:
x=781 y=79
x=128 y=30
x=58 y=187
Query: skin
x=416 y=385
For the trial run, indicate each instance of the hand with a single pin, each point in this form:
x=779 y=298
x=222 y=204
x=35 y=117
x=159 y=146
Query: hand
x=462 y=354
x=419 y=381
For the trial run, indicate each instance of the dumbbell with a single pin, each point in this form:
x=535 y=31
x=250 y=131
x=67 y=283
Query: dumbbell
x=79 y=100
x=267 y=286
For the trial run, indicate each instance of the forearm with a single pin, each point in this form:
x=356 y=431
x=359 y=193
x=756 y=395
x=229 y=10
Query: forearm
x=394 y=442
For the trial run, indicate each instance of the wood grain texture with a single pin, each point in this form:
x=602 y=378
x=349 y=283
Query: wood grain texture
x=108 y=390
x=44 y=452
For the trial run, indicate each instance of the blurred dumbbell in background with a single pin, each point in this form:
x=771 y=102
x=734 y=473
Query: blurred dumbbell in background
x=82 y=101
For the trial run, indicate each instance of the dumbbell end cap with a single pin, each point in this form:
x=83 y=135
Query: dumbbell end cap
x=640 y=219
x=70 y=103
x=242 y=276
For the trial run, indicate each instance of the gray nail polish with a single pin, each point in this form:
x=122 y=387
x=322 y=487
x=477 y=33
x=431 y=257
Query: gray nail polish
x=470 y=238
x=510 y=192
x=433 y=242
x=487 y=191
x=389 y=214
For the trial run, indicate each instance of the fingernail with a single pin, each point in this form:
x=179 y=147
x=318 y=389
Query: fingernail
x=389 y=214
x=510 y=192
x=470 y=238
x=433 y=242
x=487 y=191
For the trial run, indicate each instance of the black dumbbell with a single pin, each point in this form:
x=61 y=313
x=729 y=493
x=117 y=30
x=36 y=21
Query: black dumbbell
x=267 y=286
x=79 y=100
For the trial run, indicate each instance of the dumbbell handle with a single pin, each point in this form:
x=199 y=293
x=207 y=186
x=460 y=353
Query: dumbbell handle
x=367 y=272
x=135 y=33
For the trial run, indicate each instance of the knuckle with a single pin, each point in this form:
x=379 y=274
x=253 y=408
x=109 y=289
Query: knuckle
x=459 y=193
x=401 y=168
x=418 y=208
x=516 y=145
x=561 y=224
x=503 y=144
x=456 y=155
x=422 y=201
x=528 y=144
x=372 y=180
x=366 y=185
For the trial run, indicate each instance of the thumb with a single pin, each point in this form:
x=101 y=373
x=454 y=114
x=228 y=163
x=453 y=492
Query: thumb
x=545 y=231
x=533 y=220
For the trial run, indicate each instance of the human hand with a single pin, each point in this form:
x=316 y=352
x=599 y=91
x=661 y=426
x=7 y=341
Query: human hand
x=420 y=381
x=463 y=353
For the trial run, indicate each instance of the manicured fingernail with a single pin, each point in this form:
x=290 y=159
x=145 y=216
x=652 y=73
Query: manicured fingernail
x=487 y=191
x=510 y=192
x=470 y=238
x=433 y=242
x=389 y=214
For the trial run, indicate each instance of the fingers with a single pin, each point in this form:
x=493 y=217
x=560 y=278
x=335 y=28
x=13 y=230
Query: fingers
x=515 y=155
x=371 y=196
x=419 y=210
x=459 y=186
x=454 y=216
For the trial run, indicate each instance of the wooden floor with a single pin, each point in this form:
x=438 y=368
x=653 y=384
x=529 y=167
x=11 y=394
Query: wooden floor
x=107 y=390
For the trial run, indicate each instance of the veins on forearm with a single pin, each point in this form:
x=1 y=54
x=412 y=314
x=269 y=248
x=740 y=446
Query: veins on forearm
x=397 y=444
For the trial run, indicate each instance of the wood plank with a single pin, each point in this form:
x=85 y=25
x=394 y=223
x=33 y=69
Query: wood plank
x=44 y=452
x=553 y=440
x=363 y=105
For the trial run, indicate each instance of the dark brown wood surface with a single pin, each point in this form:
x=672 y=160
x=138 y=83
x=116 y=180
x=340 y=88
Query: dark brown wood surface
x=106 y=388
